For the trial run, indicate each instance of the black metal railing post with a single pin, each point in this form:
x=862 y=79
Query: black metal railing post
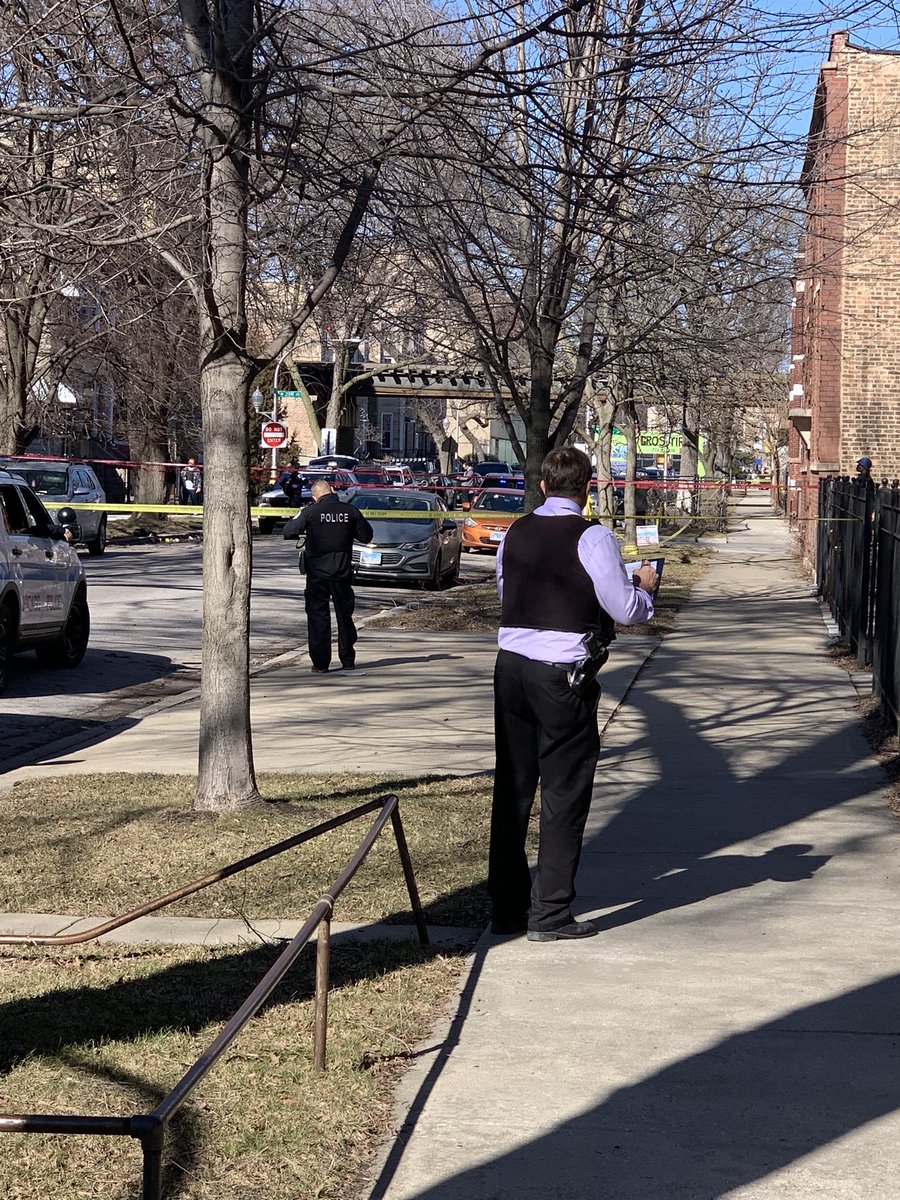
x=151 y=1133
x=323 y=969
x=414 y=901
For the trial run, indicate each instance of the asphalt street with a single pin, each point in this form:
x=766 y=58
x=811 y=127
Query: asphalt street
x=146 y=617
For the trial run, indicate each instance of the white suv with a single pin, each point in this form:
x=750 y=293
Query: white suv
x=60 y=483
x=43 y=594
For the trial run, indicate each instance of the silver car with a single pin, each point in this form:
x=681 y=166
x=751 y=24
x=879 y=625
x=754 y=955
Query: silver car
x=61 y=484
x=420 y=541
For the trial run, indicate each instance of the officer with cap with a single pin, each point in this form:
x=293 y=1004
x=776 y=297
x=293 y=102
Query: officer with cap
x=864 y=467
x=330 y=527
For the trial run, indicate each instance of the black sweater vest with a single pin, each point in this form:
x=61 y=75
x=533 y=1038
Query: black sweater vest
x=544 y=584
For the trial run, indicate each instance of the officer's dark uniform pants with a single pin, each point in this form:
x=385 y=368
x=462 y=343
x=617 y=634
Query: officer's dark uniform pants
x=321 y=592
x=544 y=731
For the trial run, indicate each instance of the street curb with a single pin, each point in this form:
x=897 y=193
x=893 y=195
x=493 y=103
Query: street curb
x=160 y=930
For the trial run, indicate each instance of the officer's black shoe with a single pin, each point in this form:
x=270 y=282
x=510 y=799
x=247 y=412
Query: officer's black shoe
x=566 y=933
x=348 y=666
x=320 y=670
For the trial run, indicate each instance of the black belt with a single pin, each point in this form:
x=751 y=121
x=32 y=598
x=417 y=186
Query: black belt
x=566 y=666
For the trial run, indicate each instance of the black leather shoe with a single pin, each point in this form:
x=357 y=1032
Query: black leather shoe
x=509 y=928
x=348 y=666
x=566 y=933
x=320 y=670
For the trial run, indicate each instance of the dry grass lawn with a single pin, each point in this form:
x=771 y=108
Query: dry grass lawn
x=108 y=1032
x=103 y=844
x=476 y=609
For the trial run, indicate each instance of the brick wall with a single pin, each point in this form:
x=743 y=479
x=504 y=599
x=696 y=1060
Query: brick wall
x=870 y=384
x=846 y=329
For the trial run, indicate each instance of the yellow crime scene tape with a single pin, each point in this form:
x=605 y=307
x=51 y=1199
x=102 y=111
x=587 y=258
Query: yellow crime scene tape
x=285 y=514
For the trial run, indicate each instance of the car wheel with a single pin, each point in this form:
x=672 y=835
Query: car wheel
x=98 y=545
x=453 y=577
x=68 y=649
x=434 y=582
x=7 y=642
x=266 y=525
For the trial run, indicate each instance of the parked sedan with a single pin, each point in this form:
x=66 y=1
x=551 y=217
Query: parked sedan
x=419 y=542
x=490 y=516
x=62 y=484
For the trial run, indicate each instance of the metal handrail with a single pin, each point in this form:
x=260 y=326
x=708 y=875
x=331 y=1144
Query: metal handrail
x=188 y=889
x=150 y=1128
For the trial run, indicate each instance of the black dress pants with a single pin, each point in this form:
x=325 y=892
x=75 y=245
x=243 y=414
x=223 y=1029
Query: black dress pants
x=321 y=593
x=544 y=733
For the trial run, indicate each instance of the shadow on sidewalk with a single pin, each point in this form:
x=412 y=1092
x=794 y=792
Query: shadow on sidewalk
x=653 y=850
x=717 y=876
x=748 y=1106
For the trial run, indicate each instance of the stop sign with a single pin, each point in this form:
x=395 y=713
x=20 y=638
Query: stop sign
x=274 y=435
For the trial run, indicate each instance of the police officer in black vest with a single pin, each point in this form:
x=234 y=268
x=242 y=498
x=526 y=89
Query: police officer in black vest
x=331 y=527
x=562 y=584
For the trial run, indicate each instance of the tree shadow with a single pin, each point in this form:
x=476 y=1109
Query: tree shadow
x=699 y=804
x=30 y=740
x=716 y=1121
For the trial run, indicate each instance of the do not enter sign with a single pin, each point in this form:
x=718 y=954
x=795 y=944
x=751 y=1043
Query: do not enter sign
x=274 y=435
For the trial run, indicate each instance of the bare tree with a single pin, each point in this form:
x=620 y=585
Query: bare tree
x=231 y=106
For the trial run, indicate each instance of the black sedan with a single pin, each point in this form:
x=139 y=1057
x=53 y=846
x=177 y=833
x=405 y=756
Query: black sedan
x=415 y=539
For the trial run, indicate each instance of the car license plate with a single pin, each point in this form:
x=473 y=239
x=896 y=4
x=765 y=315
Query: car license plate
x=370 y=558
x=498 y=535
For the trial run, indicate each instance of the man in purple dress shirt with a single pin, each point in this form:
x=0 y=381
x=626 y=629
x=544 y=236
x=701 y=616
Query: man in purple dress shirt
x=560 y=578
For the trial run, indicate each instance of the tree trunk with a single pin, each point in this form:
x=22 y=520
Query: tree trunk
x=226 y=780
x=20 y=351
x=148 y=444
x=604 y=420
x=336 y=396
x=630 y=468
x=537 y=429
x=226 y=776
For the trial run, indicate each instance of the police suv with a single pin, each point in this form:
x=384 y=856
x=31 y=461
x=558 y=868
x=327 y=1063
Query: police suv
x=43 y=593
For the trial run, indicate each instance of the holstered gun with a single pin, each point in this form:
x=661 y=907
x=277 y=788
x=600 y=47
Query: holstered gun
x=582 y=672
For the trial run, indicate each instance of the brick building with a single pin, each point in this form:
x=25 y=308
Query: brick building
x=845 y=389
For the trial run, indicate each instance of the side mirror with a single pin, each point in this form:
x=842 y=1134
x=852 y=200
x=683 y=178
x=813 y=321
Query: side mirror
x=82 y=491
x=449 y=524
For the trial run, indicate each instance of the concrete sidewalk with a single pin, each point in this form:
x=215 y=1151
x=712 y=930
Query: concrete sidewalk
x=418 y=704
x=734 y=1030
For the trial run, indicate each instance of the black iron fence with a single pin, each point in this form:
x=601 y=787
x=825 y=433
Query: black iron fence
x=150 y=1128
x=858 y=575
x=886 y=602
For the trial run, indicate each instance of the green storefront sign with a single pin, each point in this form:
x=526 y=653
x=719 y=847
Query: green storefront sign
x=663 y=446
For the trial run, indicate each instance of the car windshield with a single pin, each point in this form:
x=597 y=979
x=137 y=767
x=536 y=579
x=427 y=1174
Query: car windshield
x=369 y=476
x=44 y=482
x=328 y=476
x=375 y=502
x=389 y=502
x=504 y=502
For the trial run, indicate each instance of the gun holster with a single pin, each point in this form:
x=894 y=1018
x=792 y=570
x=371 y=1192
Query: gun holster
x=585 y=669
